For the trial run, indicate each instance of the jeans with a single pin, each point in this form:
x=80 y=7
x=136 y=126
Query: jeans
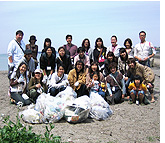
x=17 y=97
x=54 y=91
x=100 y=92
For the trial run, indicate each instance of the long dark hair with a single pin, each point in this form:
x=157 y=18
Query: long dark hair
x=122 y=50
x=90 y=68
x=79 y=61
x=129 y=41
x=47 y=40
x=111 y=54
x=89 y=45
x=91 y=72
x=40 y=79
x=18 y=71
x=99 y=40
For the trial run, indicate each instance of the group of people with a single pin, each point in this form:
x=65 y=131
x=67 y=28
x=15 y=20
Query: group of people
x=114 y=72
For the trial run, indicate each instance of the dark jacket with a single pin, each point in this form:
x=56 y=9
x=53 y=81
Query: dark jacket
x=33 y=82
x=65 y=61
x=47 y=61
x=106 y=68
x=96 y=54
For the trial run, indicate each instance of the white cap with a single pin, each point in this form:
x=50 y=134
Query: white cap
x=38 y=70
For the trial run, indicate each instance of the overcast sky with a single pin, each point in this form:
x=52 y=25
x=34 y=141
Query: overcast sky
x=81 y=19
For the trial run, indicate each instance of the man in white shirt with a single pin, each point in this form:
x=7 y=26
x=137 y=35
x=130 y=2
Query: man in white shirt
x=15 y=51
x=114 y=47
x=144 y=50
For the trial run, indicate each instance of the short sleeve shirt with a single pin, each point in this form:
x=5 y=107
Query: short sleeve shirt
x=143 y=50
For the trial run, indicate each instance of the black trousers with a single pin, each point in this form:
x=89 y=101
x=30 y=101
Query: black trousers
x=82 y=91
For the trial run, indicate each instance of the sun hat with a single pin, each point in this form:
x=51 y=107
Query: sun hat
x=32 y=38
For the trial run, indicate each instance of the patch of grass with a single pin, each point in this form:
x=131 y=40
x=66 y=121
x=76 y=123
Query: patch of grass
x=153 y=139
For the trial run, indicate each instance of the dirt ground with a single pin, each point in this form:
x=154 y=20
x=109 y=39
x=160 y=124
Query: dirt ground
x=128 y=124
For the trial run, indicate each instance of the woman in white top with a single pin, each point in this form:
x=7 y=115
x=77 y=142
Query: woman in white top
x=18 y=86
x=59 y=81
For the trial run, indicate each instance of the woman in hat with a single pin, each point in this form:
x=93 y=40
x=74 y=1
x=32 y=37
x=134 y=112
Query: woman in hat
x=34 y=48
x=36 y=86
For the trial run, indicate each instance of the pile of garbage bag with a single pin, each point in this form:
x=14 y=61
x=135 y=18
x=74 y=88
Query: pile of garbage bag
x=49 y=109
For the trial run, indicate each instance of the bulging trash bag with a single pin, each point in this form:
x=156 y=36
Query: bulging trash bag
x=68 y=92
x=100 y=109
x=53 y=110
x=68 y=96
x=51 y=107
x=78 y=111
x=31 y=116
x=40 y=103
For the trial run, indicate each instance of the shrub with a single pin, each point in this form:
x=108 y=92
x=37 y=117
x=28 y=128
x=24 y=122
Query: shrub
x=18 y=133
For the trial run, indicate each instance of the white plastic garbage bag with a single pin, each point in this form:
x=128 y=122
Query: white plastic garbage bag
x=68 y=92
x=53 y=110
x=51 y=107
x=68 y=96
x=100 y=109
x=31 y=116
x=78 y=111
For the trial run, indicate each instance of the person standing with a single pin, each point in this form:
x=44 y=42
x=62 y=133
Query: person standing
x=70 y=48
x=128 y=47
x=48 y=43
x=144 y=50
x=15 y=51
x=99 y=53
x=34 y=48
x=88 y=49
x=114 y=47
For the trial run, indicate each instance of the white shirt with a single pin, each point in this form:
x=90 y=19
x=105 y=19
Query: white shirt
x=116 y=50
x=15 y=51
x=55 y=78
x=143 y=50
x=96 y=85
x=19 y=87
